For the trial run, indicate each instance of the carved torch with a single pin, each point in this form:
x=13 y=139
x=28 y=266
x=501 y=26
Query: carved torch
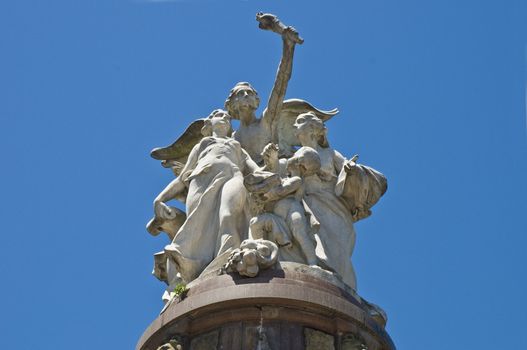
x=271 y=22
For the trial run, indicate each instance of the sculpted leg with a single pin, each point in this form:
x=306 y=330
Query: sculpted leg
x=231 y=212
x=293 y=213
x=301 y=232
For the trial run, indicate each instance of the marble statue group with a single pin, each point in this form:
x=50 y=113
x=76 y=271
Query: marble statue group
x=272 y=191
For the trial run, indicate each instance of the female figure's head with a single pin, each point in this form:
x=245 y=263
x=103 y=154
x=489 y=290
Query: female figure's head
x=242 y=102
x=311 y=130
x=217 y=124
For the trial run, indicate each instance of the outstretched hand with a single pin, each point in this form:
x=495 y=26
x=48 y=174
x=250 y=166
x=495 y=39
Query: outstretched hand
x=351 y=164
x=270 y=22
x=290 y=34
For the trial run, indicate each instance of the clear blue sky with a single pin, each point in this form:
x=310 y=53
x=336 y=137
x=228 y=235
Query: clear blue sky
x=432 y=93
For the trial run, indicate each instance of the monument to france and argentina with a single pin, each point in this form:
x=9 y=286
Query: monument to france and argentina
x=261 y=257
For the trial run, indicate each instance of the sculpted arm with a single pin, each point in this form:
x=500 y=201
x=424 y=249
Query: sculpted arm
x=250 y=165
x=338 y=161
x=171 y=191
x=290 y=38
x=341 y=162
x=288 y=186
x=274 y=105
x=175 y=187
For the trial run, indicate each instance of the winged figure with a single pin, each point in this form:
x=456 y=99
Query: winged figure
x=277 y=121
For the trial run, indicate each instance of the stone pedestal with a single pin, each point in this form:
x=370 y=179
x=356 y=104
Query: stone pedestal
x=293 y=307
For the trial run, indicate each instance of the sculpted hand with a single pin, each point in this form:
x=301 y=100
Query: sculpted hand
x=350 y=166
x=270 y=156
x=270 y=22
x=163 y=211
x=290 y=34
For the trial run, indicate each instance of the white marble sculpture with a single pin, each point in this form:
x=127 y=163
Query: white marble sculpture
x=273 y=190
x=276 y=123
x=252 y=256
x=215 y=202
x=284 y=217
x=324 y=196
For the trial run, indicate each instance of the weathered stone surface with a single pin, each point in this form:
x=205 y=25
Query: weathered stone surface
x=208 y=341
x=290 y=334
x=170 y=346
x=252 y=256
x=317 y=340
x=231 y=336
x=260 y=337
x=176 y=343
x=351 y=341
x=282 y=302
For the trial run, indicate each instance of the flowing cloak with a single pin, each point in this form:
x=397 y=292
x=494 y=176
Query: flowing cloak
x=335 y=213
x=199 y=240
x=361 y=188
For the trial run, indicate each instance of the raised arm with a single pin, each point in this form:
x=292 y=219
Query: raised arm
x=290 y=38
x=338 y=161
x=249 y=166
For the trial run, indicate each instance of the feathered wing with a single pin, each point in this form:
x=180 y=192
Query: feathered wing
x=291 y=108
x=175 y=156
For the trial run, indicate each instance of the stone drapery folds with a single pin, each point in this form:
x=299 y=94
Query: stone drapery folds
x=271 y=191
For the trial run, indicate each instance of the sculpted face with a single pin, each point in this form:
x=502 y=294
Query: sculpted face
x=246 y=99
x=243 y=100
x=309 y=127
x=221 y=123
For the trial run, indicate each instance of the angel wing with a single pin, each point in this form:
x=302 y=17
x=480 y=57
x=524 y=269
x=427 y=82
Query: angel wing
x=291 y=108
x=175 y=156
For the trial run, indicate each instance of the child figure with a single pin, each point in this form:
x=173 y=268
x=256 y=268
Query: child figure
x=285 y=199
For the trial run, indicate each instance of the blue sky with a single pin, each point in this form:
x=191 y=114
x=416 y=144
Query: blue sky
x=431 y=93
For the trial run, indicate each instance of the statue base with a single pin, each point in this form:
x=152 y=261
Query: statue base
x=293 y=307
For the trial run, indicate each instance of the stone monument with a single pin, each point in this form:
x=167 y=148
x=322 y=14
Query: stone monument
x=261 y=257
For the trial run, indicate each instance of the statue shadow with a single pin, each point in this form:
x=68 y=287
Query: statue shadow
x=264 y=276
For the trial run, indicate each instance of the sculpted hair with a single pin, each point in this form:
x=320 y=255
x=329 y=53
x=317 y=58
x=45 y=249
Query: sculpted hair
x=206 y=130
x=319 y=129
x=306 y=158
x=229 y=103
